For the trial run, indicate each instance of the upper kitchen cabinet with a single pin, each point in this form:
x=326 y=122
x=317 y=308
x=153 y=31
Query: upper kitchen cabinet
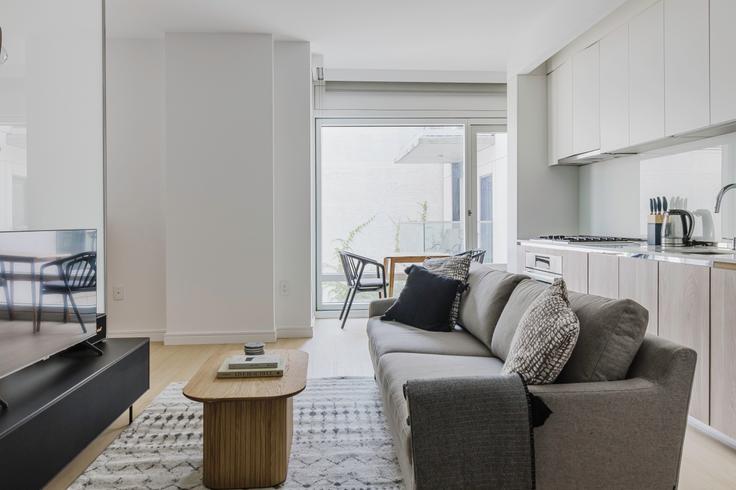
x=614 y=89
x=560 y=112
x=646 y=75
x=722 y=66
x=585 y=101
x=686 y=75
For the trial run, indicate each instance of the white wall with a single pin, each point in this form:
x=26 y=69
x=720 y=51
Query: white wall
x=219 y=187
x=542 y=199
x=292 y=199
x=135 y=185
x=614 y=194
x=232 y=193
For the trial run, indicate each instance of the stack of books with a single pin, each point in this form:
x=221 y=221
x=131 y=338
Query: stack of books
x=251 y=366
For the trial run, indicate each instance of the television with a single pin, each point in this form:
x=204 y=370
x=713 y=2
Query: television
x=48 y=294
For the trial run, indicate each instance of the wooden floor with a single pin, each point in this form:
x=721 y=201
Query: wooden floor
x=706 y=464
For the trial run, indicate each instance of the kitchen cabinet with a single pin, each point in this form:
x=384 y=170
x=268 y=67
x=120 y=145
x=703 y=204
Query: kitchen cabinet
x=614 y=89
x=646 y=75
x=686 y=75
x=722 y=66
x=684 y=317
x=559 y=108
x=585 y=101
x=638 y=280
x=575 y=271
x=603 y=275
x=723 y=351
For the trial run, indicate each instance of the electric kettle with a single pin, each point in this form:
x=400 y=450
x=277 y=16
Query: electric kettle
x=677 y=228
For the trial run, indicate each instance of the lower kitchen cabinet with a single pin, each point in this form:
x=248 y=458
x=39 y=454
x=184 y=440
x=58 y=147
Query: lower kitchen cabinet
x=603 y=275
x=684 y=317
x=723 y=351
x=638 y=280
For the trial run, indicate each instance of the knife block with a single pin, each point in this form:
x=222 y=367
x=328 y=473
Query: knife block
x=654 y=229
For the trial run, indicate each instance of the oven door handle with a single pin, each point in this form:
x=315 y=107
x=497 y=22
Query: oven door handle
x=541 y=276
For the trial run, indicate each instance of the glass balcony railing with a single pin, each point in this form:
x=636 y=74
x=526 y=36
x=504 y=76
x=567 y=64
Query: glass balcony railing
x=410 y=237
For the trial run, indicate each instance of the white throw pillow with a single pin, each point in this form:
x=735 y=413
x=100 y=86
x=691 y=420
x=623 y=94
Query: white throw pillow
x=545 y=337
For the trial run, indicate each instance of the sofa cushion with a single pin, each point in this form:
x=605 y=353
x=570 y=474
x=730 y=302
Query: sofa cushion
x=385 y=337
x=455 y=267
x=395 y=369
x=520 y=300
x=611 y=332
x=487 y=294
x=426 y=300
x=545 y=338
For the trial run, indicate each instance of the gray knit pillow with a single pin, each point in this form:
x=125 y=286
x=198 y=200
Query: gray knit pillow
x=455 y=267
x=545 y=337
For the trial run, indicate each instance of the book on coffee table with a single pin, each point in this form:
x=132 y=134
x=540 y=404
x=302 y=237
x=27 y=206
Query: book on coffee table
x=253 y=362
x=226 y=371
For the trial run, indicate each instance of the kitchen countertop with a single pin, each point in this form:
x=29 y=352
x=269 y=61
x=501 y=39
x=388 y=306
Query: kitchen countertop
x=647 y=252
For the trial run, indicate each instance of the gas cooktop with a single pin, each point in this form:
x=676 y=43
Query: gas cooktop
x=591 y=239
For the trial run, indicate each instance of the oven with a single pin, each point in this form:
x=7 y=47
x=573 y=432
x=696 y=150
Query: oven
x=543 y=267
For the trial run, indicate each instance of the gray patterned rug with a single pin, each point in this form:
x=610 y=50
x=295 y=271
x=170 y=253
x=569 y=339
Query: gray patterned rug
x=340 y=441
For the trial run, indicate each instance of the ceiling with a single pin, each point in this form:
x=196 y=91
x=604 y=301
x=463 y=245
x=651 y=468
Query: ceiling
x=456 y=35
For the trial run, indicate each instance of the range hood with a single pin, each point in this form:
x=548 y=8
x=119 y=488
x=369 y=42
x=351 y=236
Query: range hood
x=592 y=157
x=678 y=139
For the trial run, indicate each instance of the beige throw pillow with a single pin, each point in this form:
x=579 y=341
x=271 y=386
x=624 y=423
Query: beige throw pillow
x=545 y=337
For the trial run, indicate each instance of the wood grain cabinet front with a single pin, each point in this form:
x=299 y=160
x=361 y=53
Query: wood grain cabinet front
x=723 y=351
x=684 y=317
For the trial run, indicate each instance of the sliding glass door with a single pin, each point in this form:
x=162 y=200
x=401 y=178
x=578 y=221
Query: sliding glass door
x=488 y=182
x=395 y=188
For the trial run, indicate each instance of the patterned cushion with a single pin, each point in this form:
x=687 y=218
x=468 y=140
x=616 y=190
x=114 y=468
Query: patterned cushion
x=457 y=268
x=545 y=338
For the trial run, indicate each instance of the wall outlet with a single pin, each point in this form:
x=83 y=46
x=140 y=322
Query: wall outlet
x=284 y=288
x=118 y=293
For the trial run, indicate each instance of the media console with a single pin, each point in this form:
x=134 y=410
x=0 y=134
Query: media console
x=58 y=406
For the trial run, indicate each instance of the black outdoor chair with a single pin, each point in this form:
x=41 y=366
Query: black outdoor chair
x=6 y=287
x=77 y=274
x=475 y=255
x=354 y=266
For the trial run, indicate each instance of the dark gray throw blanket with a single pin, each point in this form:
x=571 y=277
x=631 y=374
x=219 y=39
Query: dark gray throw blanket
x=473 y=432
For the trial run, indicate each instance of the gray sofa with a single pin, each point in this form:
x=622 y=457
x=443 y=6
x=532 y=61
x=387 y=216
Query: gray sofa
x=619 y=408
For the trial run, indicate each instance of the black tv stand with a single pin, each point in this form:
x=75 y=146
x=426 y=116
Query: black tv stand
x=55 y=408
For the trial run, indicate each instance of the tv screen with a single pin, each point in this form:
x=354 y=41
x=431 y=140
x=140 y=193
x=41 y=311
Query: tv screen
x=48 y=294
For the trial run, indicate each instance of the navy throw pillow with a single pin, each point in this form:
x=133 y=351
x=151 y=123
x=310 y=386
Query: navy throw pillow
x=426 y=301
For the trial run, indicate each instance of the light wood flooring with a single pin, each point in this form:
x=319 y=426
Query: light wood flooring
x=707 y=464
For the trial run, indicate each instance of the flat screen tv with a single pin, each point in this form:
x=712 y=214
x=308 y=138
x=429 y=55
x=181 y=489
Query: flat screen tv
x=48 y=294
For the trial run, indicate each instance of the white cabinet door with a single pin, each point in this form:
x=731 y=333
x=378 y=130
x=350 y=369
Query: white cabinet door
x=722 y=66
x=552 y=118
x=585 y=102
x=646 y=75
x=686 y=75
x=559 y=105
x=614 y=91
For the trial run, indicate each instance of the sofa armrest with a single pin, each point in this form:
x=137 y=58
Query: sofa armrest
x=615 y=434
x=380 y=306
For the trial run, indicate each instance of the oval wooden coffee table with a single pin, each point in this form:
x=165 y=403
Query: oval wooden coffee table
x=247 y=422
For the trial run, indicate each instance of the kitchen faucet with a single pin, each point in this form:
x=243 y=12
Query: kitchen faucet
x=723 y=191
